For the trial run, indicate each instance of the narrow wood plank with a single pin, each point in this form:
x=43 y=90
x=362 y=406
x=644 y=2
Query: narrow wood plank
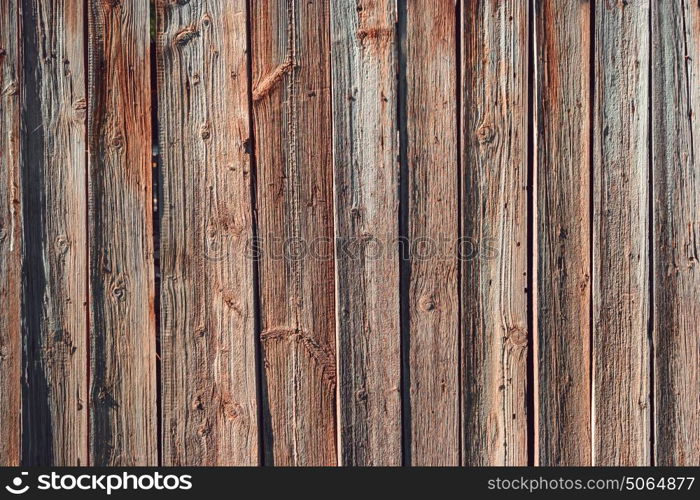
x=122 y=316
x=366 y=214
x=54 y=407
x=429 y=77
x=494 y=130
x=676 y=175
x=621 y=294
x=292 y=121
x=10 y=234
x=563 y=153
x=207 y=309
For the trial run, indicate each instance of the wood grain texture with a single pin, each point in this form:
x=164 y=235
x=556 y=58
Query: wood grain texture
x=292 y=120
x=494 y=211
x=621 y=340
x=563 y=153
x=428 y=75
x=366 y=215
x=55 y=290
x=676 y=195
x=207 y=311
x=122 y=318
x=10 y=234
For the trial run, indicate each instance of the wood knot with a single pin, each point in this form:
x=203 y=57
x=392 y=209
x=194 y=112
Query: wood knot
x=517 y=336
x=265 y=86
x=119 y=290
x=361 y=395
x=117 y=141
x=62 y=244
x=11 y=89
x=426 y=303
x=233 y=410
x=485 y=134
x=80 y=104
x=375 y=33
x=205 y=131
x=198 y=404
x=185 y=35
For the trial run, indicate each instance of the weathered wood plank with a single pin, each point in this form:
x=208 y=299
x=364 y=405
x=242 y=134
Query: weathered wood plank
x=292 y=121
x=366 y=193
x=10 y=234
x=428 y=74
x=55 y=290
x=621 y=294
x=209 y=399
x=494 y=212
x=676 y=195
x=122 y=317
x=563 y=153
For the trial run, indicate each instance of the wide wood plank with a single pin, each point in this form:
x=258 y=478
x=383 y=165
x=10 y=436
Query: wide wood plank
x=366 y=192
x=10 y=234
x=55 y=286
x=676 y=194
x=209 y=398
x=428 y=76
x=122 y=317
x=292 y=121
x=621 y=294
x=563 y=154
x=494 y=212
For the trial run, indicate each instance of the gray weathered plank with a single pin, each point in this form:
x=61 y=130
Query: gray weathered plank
x=292 y=123
x=621 y=342
x=428 y=75
x=10 y=234
x=122 y=317
x=55 y=290
x=494 y=212
x=563 y=154
x=676 y=195
x=209 y=399
x=366 y=227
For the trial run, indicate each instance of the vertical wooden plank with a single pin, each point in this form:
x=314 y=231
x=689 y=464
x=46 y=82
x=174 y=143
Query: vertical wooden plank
x=292 y=120
x=563 y=153
x=122 y=320
x=494 y=257
x=676 y=188
x=208 y=343
x=429 y=114
x=10 y=234
x=54 y=407
x=621 y=294
x=366 y=215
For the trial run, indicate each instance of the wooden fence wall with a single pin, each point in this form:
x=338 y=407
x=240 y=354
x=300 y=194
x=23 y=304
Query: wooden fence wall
x=356 y=232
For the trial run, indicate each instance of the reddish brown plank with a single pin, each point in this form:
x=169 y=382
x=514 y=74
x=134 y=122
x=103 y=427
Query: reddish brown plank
x=675 y=92
x=562 y=161
x=621 y=345
x=366 y=194
x=428 y=74
x=10 y=233
x=292 y=123
x=55 y=289
x=494 y=212
x=122 y=320
x=210 y=411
